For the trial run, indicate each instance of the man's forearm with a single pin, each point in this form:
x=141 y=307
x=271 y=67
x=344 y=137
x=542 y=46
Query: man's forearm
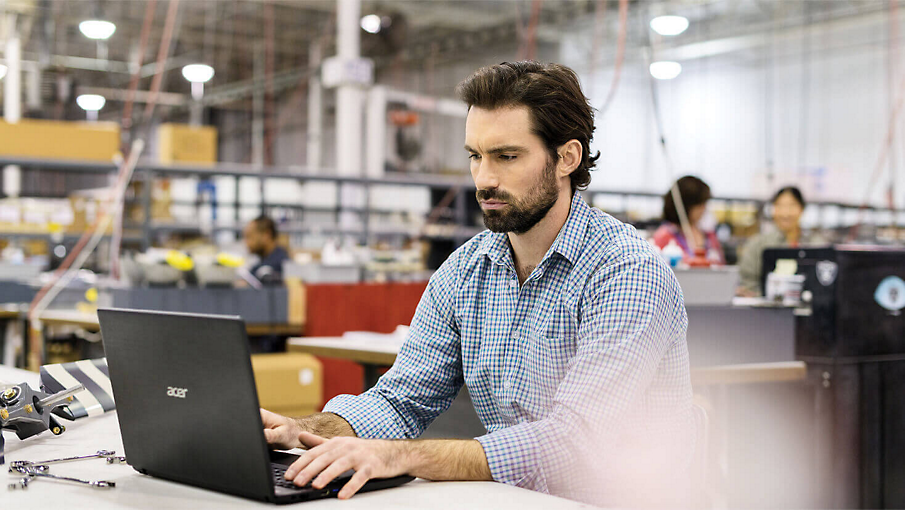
x=446 y=459
x=325 y=425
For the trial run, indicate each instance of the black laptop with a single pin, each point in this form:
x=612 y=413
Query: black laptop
x=188 y=408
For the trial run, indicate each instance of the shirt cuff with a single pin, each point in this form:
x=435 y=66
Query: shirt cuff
x=370 y=416
x=513 y=456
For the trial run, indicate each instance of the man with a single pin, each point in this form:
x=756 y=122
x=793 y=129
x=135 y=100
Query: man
x=565 y=325
x=261 y=239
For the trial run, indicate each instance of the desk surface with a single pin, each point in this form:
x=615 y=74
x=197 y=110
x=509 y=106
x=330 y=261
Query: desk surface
x=136 y=491
x=378 y=350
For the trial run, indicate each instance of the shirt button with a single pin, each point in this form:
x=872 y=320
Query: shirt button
x=513 y=282
x=507 y=385
x=516 y=336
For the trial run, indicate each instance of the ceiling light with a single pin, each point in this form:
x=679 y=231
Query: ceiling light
x=97 y=29
x=371 y=23
x=90 y=102
x=2 y=71
x=669 y=25
x=198 y=73
x=665 y=70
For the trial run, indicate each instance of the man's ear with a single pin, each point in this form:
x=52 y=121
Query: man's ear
x=569 y=158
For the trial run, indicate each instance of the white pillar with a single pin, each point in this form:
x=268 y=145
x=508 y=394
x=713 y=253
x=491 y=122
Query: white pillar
x=349 y=97
x=376 y=132
x=349 y=110
x=12 y=102
x=313 y=158
x=257 y=109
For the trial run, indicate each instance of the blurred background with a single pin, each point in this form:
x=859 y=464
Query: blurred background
x=300 y=163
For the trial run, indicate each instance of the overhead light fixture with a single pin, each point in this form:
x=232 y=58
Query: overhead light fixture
x=669 y=25
x=2 y=71
x=371 y=23
x=97 y=29
x=91 y=103
x=665 y=70
x=198 y=73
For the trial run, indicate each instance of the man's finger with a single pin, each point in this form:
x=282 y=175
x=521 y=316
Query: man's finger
x=314 y=467
x=305 y=459
x=335 y=469
x=310 y=440
x=353 y=485
x=270 y=436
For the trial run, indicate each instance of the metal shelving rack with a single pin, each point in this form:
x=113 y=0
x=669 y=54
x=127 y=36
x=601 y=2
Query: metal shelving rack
x=458 y=232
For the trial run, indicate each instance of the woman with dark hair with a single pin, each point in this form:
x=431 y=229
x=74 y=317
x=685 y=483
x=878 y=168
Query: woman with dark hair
x=788 y=206
x=695 y=193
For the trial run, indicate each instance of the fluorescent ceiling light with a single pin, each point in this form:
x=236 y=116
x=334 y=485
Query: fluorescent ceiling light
x=2 y=71
x=90 y=102
x=665 y=70
x=198 y=73
x=371 y=23
x=669 y=25
x=97 y=29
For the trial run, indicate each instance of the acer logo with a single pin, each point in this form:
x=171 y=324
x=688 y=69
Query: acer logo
x=176 y=392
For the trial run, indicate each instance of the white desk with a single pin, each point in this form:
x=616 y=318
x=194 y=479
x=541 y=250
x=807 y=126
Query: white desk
x=136 y=491
x=371 y=353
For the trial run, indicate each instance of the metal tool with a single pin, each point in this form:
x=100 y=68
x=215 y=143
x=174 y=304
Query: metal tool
x=101 y=454
x=32 y=472
x=39 y=469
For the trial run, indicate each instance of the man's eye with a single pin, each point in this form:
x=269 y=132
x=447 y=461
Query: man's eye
x=474 y=157
x=506 y=157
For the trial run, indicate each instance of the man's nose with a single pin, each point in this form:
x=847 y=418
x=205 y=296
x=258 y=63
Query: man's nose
x=485 y=177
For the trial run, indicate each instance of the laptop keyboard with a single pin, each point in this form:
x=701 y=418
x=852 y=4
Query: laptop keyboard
x=279 y=478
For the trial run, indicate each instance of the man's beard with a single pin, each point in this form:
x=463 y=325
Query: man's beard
x=521 y=215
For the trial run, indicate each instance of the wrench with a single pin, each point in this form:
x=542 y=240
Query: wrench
x=100 y=484
x=101 y=454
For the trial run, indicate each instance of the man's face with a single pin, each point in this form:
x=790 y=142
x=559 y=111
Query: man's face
x=515 y=177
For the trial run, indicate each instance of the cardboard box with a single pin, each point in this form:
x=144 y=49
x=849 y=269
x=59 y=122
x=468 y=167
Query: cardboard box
x=182 y=143
x=33 y=138
x=289 y=383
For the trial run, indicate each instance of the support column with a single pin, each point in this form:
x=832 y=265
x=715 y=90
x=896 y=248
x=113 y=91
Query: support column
x=12 y=101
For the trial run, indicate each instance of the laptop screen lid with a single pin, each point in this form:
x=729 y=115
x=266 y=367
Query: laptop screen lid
x=186 y=399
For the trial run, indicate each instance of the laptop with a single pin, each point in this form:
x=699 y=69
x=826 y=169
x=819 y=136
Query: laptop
x=188 y=408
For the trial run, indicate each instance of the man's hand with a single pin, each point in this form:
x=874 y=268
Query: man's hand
x=433 y=459
x=328 y=458
x=279 y=431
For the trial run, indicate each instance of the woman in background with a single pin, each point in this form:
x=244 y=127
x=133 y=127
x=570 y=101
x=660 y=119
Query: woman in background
x=788 y=206
x=695 y=193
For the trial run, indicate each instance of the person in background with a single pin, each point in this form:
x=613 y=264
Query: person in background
x=788 y=206
x=261 y=239
x=695 y=193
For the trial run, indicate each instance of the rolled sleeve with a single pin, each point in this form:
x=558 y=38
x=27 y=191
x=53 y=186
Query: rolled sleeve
x=370 y=416
x=512 y=456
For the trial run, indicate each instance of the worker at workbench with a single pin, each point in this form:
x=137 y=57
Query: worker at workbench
x=261 y=239
x=565 y=324
x=788 y=206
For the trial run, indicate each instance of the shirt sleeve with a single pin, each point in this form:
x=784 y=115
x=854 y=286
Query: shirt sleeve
x=425 y=378
x=631 y=323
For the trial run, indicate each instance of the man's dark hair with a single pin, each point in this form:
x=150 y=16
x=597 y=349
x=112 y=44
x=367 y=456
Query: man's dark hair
x=693 y=191
x=796 y=194
x=559 y=110
x=264 y=224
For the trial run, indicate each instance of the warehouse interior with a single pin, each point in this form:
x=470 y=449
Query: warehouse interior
x=299 y=164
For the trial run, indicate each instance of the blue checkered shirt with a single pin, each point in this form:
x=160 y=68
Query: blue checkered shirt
x=578 y=371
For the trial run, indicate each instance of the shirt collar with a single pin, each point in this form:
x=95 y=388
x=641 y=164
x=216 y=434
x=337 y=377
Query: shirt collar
x=567 y=243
